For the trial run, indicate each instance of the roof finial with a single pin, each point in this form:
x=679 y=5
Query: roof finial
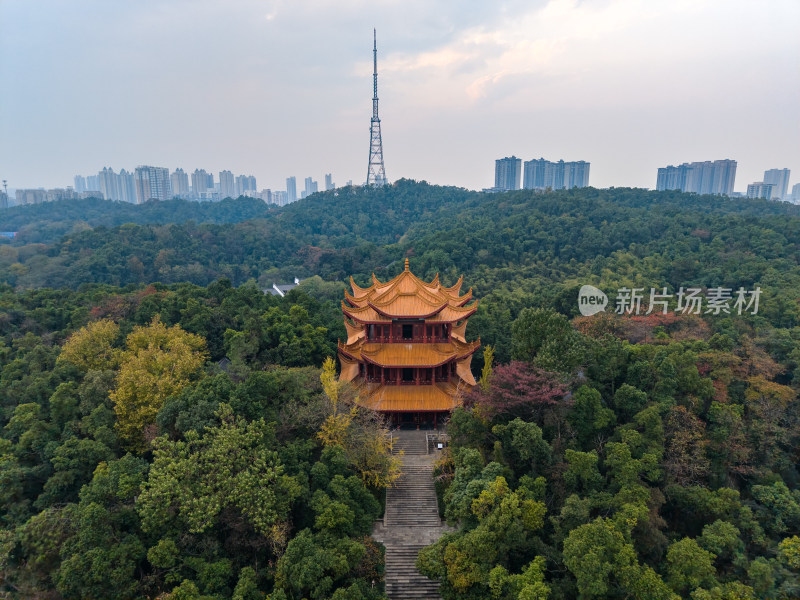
x=406 y=264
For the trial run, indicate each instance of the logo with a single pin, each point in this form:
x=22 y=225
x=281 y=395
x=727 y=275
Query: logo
x=591 y=300
x=686 y=301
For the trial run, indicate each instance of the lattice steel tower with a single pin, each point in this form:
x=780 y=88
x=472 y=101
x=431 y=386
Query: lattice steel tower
x=376 y=174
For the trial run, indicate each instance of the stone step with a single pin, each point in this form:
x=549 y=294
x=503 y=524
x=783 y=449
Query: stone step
x=402 y=579
x=411 y=504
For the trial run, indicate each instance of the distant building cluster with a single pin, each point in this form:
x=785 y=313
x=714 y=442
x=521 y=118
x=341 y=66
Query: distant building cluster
x=147 y=183
x=775 y=186
x=539 y=174
x=709 y=177
x=717 y=177
x=157 y=183
x=37 y=196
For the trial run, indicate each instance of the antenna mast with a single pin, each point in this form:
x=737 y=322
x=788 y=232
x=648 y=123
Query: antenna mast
x=376 y=174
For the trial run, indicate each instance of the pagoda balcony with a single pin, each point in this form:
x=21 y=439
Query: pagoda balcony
x=420 y=382
x=408 y=333
x=401 y=340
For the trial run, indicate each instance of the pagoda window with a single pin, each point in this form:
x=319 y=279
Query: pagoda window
x=408 y=332
x=408 y=375
x=370 y=332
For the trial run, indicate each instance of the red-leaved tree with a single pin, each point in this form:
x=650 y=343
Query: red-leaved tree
x=518 y=389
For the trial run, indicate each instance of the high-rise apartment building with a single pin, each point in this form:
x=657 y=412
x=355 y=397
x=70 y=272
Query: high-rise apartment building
x=780 y=179
x=127 y=186
x=246 y=185
x=80 y=184
x=796 y=193
x=578 y=175
x=311 y=187
x=179 y=180
x=291 y=190
x=706 y=177
x=760 y=189
x=507 y=173
x=541 y=174
x=227 y=185
x=92 y=183
x=152 y=183
x=109 y=184
x=329 y=185
x=202 y=183
x=32 y=196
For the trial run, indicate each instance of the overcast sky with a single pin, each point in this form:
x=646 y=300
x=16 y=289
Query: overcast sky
x=280 y=88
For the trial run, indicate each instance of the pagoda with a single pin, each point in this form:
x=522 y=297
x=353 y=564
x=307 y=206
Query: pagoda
x=406 y=350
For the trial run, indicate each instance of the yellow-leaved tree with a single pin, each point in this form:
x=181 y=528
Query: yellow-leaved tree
x=334 y=430
x=92 y=346
x=361 y=434
x=158 y=361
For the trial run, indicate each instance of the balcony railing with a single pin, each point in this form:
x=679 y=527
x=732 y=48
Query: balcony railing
x=422 y=340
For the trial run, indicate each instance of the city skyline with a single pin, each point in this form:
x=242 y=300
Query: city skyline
x=203 y=187
x=291 y=87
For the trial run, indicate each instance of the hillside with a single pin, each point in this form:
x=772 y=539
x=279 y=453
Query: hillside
x=143 y=399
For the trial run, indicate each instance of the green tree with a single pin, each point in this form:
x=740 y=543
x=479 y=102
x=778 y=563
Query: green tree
x=589 y=417
x=233 y=465
x=605 y=565
x=689 y=566
x=547 y=340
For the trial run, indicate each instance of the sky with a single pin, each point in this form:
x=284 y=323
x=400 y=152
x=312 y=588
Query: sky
x=277 y=88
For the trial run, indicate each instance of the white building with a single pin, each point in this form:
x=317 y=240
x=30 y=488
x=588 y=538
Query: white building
x=759 y=189
x=152 y=183
x=227 y=185
x=507 y=173
x=780 y=179
x=109 y=184
x=796 y=193
x=202 y=183
x=179 y=181
x=245 y=184
x=707 y=177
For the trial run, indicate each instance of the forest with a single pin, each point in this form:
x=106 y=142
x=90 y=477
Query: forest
x=168 y=430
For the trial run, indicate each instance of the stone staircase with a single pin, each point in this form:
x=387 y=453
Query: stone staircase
x=411 y=521
x=402 y=579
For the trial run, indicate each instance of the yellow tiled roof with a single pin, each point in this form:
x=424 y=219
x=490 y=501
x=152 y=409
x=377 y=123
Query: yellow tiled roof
x=390 y=398
x=409 y=355
x=447 y=314
x=407 y=296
